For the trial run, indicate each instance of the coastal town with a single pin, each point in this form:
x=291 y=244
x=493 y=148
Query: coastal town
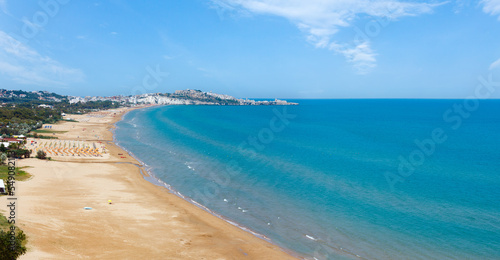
x=179 y=97
x=182 y=97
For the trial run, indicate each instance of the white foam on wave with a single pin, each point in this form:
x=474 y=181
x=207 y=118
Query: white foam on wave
x=312 y=238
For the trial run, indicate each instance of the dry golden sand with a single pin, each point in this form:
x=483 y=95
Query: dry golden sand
x=144 y=221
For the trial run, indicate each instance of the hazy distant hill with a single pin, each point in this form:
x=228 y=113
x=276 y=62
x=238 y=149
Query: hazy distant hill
x=20 y=96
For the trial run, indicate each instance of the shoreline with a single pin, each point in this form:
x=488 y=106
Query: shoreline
x=152 y=178
x=144 y=220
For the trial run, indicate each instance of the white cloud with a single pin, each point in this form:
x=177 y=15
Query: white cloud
x=495 y=64
x=460 y=5
x=24 y=65
x=491 y=7
x=361 y=56
x=3 y=6
x=320 y=20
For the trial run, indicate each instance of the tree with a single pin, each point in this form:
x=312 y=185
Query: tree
x=14 y=145
x=3 y=148
x=19 y=153
x=12 y=249
x=41 y=154
x=3 y=157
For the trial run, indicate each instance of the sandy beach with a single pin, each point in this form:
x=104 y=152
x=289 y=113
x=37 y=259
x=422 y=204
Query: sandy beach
x=144 y=221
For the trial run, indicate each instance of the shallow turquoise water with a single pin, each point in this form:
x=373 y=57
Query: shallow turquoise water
x=316 y=178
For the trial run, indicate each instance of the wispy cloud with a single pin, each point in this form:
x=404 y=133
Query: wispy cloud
x=3 y=6
x=491 y=7
x=459 y=5
x=320 y=20
x=361 y=56
x=26 y=66
x=495 y=64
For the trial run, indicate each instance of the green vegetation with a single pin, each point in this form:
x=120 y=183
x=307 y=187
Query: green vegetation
x=19 y=96
x=42 y=136
x=22 y=118
x=19 y=153
x=44 y=131
x=4 y=224
x=82 y=108
x=14 y=151
x=6 y=252
x=17 y=120
x=20 y=174
x=41 y=155
x=10 y=250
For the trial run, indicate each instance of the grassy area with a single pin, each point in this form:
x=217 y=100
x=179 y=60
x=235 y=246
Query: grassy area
x=43 y=131
x=4 y=225
x=43 y=136
x=20 y=174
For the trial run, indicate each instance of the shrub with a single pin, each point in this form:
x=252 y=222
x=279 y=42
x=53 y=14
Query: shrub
x=12 y=249
x=3 y=158
x=41 y=154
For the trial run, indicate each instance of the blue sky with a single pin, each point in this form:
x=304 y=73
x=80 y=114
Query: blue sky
x=251 y=48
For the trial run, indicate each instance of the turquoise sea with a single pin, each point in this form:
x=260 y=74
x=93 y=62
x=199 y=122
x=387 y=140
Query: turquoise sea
x=336 y=179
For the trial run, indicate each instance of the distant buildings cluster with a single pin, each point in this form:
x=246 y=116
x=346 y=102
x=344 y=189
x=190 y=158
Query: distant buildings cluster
x=179 y=97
